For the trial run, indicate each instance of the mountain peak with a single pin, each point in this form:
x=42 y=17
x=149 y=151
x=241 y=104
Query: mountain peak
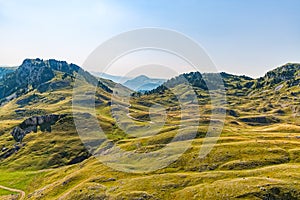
x=143 y=83
x=292 y=67
x=35 y=73
x=142 y=77
x=52 y=63
x=32 y=60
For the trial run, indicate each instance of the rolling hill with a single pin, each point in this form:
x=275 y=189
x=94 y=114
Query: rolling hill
x=256 y=157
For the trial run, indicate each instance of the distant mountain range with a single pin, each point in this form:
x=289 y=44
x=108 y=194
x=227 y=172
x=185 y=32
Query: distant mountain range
x=140 y=83
x=41 y=71
x=114 y=78
x=143 y=83
x=14 y=79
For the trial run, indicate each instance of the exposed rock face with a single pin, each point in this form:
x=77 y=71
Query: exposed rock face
x=33 y=72
x=18 y=134
x=31 y=125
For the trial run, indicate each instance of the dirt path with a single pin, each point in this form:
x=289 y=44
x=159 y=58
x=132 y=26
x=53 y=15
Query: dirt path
x=22 y=193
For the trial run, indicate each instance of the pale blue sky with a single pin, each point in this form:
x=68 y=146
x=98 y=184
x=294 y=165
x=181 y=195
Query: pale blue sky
x=242 y=37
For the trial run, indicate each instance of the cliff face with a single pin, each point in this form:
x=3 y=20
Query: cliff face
x=30 y=74
x=33 y=73
x=31 y=125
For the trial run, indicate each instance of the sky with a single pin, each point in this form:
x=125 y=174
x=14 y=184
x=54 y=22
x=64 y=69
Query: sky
x=241 y=37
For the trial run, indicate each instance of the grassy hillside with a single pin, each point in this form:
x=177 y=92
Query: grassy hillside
x=256 y=157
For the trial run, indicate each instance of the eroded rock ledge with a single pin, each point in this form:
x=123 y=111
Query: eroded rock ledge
x=31 y=125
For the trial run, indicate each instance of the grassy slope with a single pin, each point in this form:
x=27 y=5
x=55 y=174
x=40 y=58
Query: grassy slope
x=248 y=162
x=6 y=192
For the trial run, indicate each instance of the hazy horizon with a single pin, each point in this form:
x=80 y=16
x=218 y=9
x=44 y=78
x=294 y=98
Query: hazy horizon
x=153 y=74
x=243 y=38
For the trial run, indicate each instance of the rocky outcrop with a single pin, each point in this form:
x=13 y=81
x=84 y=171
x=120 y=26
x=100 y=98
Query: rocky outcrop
x=31 y=125
x=260 y=120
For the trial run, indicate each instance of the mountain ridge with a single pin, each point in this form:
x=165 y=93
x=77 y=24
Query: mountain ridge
x=288 y=72
x=36 y=73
